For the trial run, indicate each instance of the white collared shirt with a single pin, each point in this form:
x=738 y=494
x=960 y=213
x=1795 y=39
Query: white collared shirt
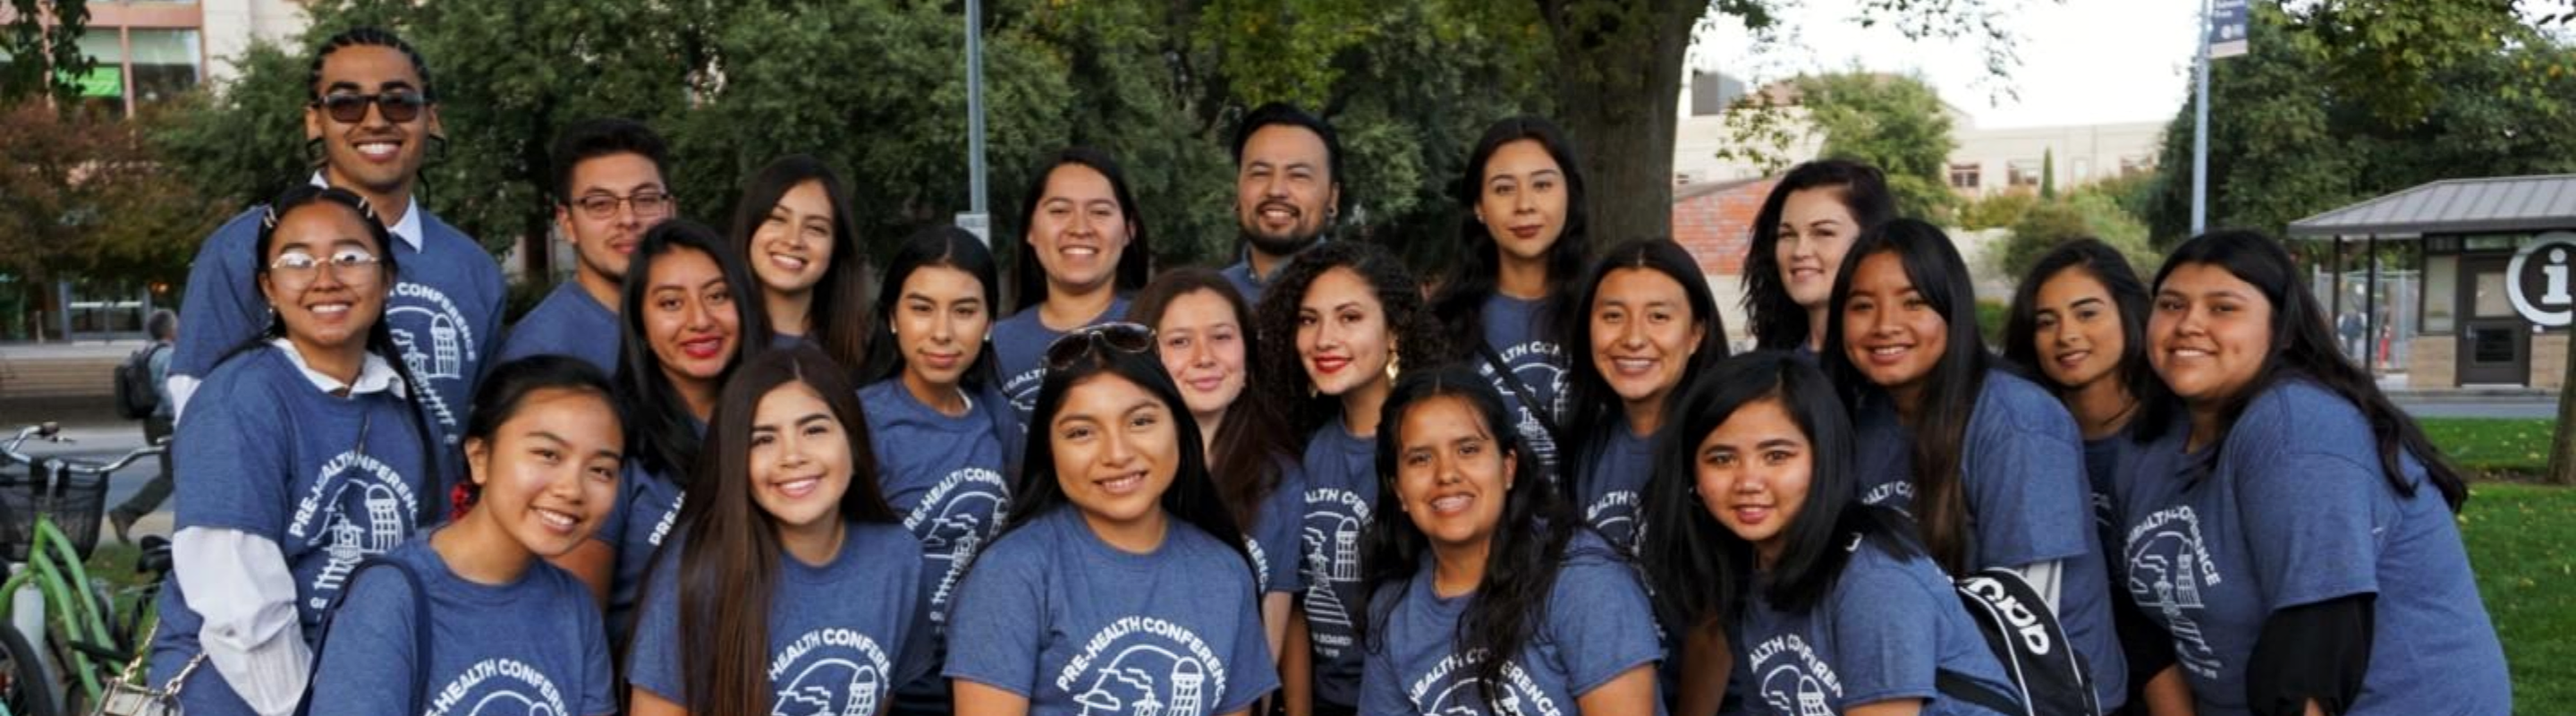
x=406 y=228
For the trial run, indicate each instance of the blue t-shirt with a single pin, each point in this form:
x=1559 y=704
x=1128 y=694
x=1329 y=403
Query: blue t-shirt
x=1077 y=626
x=568 y=323
x=2029 y=501
x=1884 y=631
x=445 y=312
x=1240 y=274
x=494 y=648
x=1019 y=353
x=2298 y=511
x=1519 y=335
x=645 y=513
x=1341 y=490
x=1610 y=483
x=330 y=480
x=841 y=635
x=945 y=476
x=1272 y=538
x=1598 y=626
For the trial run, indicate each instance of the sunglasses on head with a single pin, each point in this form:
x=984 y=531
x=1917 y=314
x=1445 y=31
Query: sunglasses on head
x=1119 y=336
x=398 y=107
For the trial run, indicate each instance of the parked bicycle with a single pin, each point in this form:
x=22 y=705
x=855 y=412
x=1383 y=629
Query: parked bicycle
x=49 y=524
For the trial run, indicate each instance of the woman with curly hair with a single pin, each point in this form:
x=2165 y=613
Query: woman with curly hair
x=1353 y=319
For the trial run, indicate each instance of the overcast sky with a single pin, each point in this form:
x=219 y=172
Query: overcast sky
x=2081 y=61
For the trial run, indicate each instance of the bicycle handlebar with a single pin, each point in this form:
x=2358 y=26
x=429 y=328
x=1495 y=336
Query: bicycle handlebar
x=53 y=432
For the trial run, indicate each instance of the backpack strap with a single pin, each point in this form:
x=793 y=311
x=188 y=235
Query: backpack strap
x=1958 y=687
x=421 y=632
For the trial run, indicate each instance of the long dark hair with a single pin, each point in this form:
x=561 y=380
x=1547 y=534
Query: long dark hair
x=941 y=246
x=838 y=318
x=1949 y=396
x=1700 y=569
x=1135 y=262
x=659 y=436
x=2303 y=348
x=1460 y=302
x=1528 y=549
x=1253 y=447
x=1419 y=341
x=1192 y=497
x=380 y=335
x=729 y=565
x=1777 y=321
x=507 y=386
x=2128 y=299
x=1592 y=409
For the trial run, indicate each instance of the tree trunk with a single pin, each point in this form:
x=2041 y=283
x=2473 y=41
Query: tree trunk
x=2562 y=447
x=1616 y=92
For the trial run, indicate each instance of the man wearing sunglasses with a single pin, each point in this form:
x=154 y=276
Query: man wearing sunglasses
x=369 y=123
x=608 y=189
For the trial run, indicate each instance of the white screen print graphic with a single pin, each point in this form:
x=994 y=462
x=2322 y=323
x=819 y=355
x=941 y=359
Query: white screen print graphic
x=829 y=672
x=357 y=508
x=437 y=344
x=1791 y=679
x=1142 y=666
x=2169 y=565
x=1448 y=690
x=953 y=522
x=1331 y=536
x=499 y=687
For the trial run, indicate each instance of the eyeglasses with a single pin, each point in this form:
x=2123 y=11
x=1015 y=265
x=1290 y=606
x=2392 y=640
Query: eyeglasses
x=398 y=107
x=299 y=267
x=646 y=204
x=1119 y=336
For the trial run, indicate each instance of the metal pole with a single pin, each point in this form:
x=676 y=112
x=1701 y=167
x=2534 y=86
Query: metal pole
x=975 y=105
x=2200 y=132
x=2370 y=309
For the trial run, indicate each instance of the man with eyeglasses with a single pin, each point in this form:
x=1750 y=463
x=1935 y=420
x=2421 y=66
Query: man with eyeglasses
x=371 y=118
x=608 y=189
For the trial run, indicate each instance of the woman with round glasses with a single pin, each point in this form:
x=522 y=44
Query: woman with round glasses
x=309 y=455
x=1120 y=583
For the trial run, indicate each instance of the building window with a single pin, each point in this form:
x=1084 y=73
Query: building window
x=1964 y=176
x=2023 y=173
x=2132 y=166
x=2441 y=293
x=2083 y=169
x=166 y=64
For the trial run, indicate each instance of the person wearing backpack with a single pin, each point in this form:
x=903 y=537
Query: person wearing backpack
x=141 y=394
x=1752 y=522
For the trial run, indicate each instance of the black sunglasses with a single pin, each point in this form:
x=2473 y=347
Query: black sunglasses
x=1119 y=336
x=398 y=107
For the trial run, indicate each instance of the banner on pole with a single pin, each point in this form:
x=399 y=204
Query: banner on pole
x=2229 y=22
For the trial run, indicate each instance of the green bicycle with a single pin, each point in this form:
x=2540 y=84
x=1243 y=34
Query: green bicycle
x=49 y=524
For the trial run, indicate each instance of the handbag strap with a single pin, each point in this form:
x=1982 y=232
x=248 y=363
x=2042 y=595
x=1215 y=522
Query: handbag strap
x=420 y=634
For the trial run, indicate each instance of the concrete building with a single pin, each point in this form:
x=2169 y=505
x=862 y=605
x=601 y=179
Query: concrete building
x=1993 y=161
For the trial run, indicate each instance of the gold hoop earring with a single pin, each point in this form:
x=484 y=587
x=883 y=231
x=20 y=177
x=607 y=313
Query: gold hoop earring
x=1392 y=359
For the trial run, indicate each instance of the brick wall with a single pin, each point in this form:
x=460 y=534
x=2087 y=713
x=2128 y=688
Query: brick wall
x=1716 y=224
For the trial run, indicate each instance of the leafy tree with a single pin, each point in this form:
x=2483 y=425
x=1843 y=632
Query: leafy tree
x=83 y=196
x=1893 y=121
x=2083 y=215
x=1996 y=211
x=2048 y=174
x=41 y=35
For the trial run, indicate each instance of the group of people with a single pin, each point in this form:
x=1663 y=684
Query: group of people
x=745 y=471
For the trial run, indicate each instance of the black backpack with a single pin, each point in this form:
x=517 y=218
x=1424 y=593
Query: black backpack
x=135 y=398
x=2038 y=660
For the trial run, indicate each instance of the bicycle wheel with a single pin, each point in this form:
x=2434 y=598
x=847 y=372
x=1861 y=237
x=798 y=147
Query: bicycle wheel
x=23 y=687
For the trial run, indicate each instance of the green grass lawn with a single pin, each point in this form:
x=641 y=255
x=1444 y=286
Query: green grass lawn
x=2515 y=448
x=2522 y=542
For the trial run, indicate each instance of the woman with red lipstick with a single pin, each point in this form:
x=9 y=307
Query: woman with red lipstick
x=691 y=313
x=1487 y=594
x=1120 y=584
x=2290 y=528
x=944 y=440
x=1203 y=333
x=794 y=588
x=1751 y=526
x=1525 y=241
x=2079 y=321
x=543 y=450
x=1805 y=226
x=1987 y=463
x=793 y=228
x=1353 y=320
x=1083 y=251
x=308 y=452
